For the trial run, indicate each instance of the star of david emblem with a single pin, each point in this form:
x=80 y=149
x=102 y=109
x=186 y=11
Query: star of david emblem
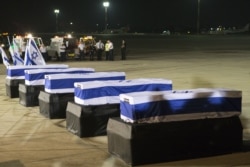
x=34 y=55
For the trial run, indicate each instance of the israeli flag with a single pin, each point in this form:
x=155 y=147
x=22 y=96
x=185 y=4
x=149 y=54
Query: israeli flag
x=17 y=60
x=4 y=57
x=26 y=56
x=33 y=56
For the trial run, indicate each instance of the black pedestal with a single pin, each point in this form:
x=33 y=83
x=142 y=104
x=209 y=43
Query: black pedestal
x=138 y=144
x=89 y=121
x=28 y=95
x=54 y=106
x=12 y=87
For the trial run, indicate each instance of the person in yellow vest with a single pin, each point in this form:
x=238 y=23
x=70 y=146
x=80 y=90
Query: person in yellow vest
x=107 y=50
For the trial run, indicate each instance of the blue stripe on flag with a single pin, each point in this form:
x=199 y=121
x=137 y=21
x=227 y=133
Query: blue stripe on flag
x=183 y=106
x=117 y=90
x=69 y=82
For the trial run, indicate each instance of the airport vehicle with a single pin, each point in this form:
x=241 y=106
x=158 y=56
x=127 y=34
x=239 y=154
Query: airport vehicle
x=53 y=48
x=71 y=43
x=89 y=42
x=55 y=43
x=21 y=40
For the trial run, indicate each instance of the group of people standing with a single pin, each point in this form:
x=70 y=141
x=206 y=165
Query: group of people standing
x=99 y=48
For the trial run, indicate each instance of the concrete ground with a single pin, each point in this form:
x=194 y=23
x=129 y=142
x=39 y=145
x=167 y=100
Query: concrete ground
x=27 y=139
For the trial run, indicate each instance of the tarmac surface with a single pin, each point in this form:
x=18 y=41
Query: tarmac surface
x=28 y=139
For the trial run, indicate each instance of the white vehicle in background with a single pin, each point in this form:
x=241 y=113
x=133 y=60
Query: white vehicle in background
x=21 y=40
x=166 y=32
x=21 y=43
x=53 y=48
x=56 y=42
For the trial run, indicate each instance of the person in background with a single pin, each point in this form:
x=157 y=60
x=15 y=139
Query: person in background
x=23 y=49
x=92 y=50
x=123 y=50
x=99 y=46
x=77 y=53
x=111 y=51
x=44 y=52
x=81 y=47
x=107 y=50
x=66 y=44
x=62 y=51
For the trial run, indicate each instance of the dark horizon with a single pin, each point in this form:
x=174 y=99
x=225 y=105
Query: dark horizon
x=139 y=16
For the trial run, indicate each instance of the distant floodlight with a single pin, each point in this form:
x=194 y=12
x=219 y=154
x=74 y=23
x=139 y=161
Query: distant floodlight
x=57 y=11
x=69 y=36
x=106 y=4
x=29 y=35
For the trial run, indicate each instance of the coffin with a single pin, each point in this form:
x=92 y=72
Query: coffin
x=36 y=76
x=156 y=127
x=179 y=105
x=64 y=83
x=107 y=92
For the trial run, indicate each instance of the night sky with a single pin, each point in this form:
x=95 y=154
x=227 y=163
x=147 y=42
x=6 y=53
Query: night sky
x=138 y=15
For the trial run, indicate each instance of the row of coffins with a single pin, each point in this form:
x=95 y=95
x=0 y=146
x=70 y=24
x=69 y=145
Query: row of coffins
x=144 y=119
x=35 y=81
x=97 y=101
x=16 y=75
x=59 y=90
x=149 y=126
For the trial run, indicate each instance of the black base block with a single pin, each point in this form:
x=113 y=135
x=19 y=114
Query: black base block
x=28 y=95
x=54 y=106
x=90 y=121
x=12 y=87
x=138 y=144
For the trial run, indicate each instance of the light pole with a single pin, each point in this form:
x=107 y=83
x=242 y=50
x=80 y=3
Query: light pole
x=56 y=11
x=71 y=26
x=97 y=29
x=198 y=17
x=106 y=5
